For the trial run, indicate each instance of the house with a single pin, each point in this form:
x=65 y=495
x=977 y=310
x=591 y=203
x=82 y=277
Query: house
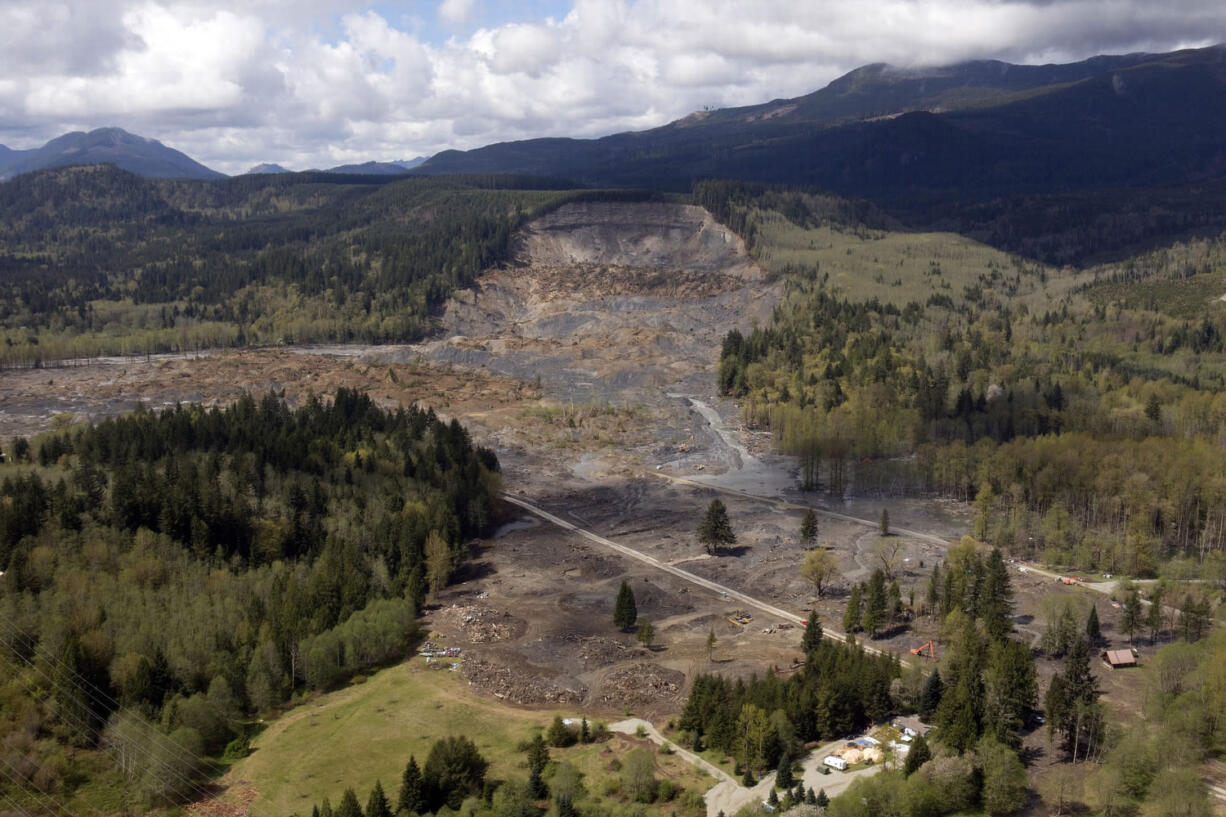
x=912 y=726
x=836 y=762
x=1118 y=659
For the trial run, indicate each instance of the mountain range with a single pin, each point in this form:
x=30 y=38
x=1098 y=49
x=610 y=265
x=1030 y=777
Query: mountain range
x=986 y=128
x=972 y=131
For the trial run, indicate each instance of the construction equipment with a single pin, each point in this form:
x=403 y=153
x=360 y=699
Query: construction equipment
x=929 y=647
x=740 y=618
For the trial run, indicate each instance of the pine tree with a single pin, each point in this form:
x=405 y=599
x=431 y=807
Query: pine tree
x=412 y=796
x=875 y=604
x=646 y=633
x=798 y=795
x=822 y=800
x=715 y=530
x=808 y=528
x=930 y=697
x=918 y=756
x=1093 y=630
x=538 y=752
x=851 y=617
x=773 y=800
x=624 y=611
x=783 y=776
x=325 y=808
x=813 y=633
x=747 y=779
x=995 y=597
x=585 y=731
x=376 y=804
x=565 y=806
x=885 y=522
x=1131 y=622
x=810 y=797
x=349 y=805
x=536 y=786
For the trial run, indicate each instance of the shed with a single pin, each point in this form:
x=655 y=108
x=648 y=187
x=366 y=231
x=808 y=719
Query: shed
x=1118 y=659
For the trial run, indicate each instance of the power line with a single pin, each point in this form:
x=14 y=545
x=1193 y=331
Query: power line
x=149 y=748
x=101 y=698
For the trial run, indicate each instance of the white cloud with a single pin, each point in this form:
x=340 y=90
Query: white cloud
x=455 y=11
x=320 y=82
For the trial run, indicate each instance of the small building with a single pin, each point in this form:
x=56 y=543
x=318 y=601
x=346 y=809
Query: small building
x=836 y=762
x=1118 y=659
x=912 y=726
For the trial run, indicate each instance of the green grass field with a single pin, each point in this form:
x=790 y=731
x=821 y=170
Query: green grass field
x=894 y=267
x=366 y=732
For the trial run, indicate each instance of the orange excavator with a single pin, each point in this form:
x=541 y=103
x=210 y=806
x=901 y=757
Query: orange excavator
x=929 y=649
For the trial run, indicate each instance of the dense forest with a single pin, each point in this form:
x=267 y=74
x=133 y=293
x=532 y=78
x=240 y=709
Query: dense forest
x=96 y=260
x=1086 y=422
x=168 y=574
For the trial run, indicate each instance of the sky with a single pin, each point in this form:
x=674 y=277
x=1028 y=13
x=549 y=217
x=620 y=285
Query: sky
x=316 y=83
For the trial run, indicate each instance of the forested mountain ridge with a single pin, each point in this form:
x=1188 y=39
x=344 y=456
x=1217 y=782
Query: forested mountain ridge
x=146 y=157
x=99 y=260
x=978 y=130
x=166 y=573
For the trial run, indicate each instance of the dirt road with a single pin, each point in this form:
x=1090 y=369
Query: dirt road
x=685 y=575
x=631 y=726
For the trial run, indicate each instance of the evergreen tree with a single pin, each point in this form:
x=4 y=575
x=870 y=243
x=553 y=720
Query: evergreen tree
x=747 y=779
x=715 y=531
x=930 y=697
x=893 y=602
x=918 y=756
x=885 y=522
x=1072 y=703
x=325 y=808
x=875 y=604
x=538 y=752
x=624 y=611
x=798 y=794
x=811 y=798
x=851 y=616
x=773 y=799
x=585 y=731
x=813 y=633
x=1093 y=631
x=808 y=528
x=349 y=805
x=537 y=789
x=822 y=800
x=995 y=597
x=412 y=796
x=559 y=734
x=376 y=804
x=783 y=776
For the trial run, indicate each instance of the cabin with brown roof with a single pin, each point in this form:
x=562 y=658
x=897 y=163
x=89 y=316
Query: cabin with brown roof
x=1118 y=659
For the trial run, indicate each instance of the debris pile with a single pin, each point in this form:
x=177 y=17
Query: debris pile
x=482 y=625
x=641 y=684
x=598 y=651
x=517 y=686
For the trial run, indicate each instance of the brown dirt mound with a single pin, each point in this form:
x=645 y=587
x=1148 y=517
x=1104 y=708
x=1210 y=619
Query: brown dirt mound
x=641 y=685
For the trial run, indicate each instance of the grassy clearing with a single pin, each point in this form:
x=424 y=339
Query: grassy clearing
x=893 y=267
x=366 y=732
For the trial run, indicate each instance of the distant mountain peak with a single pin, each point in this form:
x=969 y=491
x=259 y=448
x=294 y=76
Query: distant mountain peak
x=266 y=168
x=109 y=145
